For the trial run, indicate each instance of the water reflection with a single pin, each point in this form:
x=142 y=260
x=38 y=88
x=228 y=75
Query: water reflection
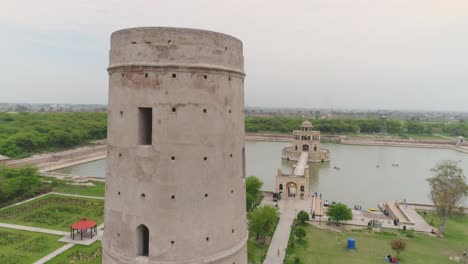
x=366 y=175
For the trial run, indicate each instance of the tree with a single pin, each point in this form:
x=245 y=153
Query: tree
x=253 y=192
x=262 y=221
x=448 y=188
x=398 y=245
x=300 y=233
x=339 y=212
x=302 y=216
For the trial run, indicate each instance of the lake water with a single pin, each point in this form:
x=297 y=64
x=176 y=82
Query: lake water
x=358 y=181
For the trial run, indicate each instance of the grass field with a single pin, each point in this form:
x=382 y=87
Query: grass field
x=54 y=212
x=321 y=246
x=256 y=252
x=457 y=227
x=18 y=247
x=96 y=190
x=79 y=254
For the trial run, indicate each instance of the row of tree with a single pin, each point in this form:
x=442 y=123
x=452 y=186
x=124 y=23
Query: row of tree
x=355 y=126
x=22 y=134
x=20 y=183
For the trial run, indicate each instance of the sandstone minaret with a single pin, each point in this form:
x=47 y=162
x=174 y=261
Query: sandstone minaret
x=175 y=186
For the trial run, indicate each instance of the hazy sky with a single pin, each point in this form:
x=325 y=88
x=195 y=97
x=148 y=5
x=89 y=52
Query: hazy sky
x=394 y=54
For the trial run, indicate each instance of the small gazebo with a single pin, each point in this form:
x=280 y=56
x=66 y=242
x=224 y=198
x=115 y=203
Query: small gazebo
x=81 y=227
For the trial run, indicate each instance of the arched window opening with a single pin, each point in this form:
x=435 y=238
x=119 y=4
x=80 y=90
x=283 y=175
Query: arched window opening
x=296 y=147
x=305 y=147
x=315 y=148
x=302 y=188
x=281 y=186
x=142 y=241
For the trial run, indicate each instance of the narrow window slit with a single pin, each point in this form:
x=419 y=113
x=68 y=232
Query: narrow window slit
x=145 y=125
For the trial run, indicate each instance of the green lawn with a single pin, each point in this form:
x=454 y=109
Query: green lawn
x=320 y=246
x=256 y=251
x=96 y=190
x=457 y=227
x=17 y=247
x=80 y=254
x=55 y=212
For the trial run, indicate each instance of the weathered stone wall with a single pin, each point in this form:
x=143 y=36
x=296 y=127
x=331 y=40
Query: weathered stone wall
x=188 y=186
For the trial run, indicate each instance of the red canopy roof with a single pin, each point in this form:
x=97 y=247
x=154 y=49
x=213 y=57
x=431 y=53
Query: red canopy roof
x=83 y=224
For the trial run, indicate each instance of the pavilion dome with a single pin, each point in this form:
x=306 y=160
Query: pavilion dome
x=306 y=124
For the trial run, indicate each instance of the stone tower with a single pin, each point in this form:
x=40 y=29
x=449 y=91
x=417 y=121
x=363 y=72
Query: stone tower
x=175 y=186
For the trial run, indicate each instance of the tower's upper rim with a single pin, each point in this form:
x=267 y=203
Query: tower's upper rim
x=174 y=29
x=162 y=46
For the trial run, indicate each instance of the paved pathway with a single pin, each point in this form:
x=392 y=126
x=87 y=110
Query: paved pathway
x=54 y=254
x=25 y=201
x=279 y=242
x=34 y=229
x=301 y=165
x=419 y=223
x=77 y=195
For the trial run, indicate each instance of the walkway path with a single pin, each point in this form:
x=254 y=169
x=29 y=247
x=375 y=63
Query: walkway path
x=301 y=165
x=288 y=210
x=419 y=222
x=77 y=195
x=34 y=229
x=54 y=254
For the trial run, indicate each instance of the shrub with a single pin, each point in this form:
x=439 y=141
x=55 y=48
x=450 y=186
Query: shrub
x=398 y=245
x=302 y=216
x=300 y=233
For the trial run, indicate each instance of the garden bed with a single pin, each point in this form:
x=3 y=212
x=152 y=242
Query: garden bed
x=55 y=212
x=18 y=246
x=80 y=254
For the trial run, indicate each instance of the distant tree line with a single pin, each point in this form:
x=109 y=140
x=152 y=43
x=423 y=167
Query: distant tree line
x=356 y=126
x=23 y=134
x=17 y=184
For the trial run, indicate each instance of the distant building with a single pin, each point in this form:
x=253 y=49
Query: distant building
x=306 y=139
x=305 y=149
x=3 y=159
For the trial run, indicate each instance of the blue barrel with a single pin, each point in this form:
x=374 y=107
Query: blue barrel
x=351 y=243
